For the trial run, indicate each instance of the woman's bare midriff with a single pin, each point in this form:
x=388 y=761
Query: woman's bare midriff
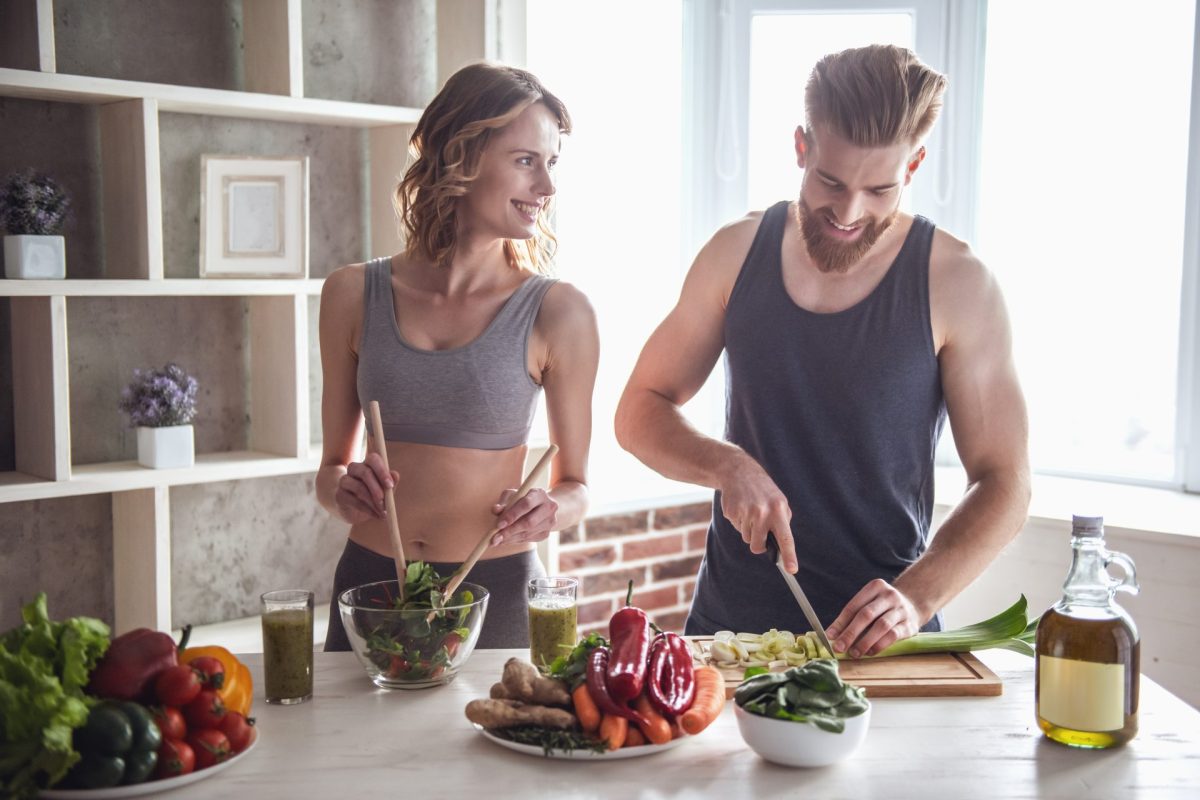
x=444 y=500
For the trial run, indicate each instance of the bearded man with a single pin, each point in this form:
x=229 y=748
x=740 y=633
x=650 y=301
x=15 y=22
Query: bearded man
x=849 y=329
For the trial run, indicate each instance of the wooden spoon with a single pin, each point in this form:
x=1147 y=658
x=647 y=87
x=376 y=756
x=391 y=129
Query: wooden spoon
x=534 y=475
x=389 y=498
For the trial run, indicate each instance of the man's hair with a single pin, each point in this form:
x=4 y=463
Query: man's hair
x=874 y=96
x=447 y=147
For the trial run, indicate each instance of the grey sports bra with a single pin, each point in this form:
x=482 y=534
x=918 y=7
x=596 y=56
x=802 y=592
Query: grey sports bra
x=478 y=396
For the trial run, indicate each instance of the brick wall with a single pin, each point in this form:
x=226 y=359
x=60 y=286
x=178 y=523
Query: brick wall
x=659 y=549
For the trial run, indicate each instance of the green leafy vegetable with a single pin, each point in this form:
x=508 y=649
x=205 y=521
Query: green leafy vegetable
x=572 y=667
x=812 y=693
x=44 y=666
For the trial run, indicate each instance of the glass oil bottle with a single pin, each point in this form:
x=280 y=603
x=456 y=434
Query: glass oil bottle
x=1088 y=651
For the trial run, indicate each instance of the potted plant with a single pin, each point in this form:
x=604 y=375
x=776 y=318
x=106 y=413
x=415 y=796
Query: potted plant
x=33 y=209
x=161 y=404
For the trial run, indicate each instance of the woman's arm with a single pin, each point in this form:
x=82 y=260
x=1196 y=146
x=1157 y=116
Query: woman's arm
x=569 y=342
x=351 y=490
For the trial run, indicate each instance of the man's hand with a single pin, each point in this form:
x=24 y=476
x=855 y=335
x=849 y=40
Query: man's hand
x=530 y=519
x=752 y=502
x=877 y=616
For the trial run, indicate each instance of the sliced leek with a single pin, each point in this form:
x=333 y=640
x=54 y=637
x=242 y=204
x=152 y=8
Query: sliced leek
x=1009 y=630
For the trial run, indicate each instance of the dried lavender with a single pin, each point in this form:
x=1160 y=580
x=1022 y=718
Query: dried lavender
x=32 y=204
x=160 y=397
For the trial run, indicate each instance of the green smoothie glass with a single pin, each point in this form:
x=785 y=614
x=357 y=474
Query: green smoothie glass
x=553 y=618
x=287 y=631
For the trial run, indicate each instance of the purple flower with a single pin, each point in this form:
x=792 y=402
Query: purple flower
x=160 y=397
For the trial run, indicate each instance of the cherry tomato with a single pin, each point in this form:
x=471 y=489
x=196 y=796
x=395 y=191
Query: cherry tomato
x=170 y=722
x=239 y=730
x=451 y=643
x=211 y=747
x=211 y=671
x=206 y=711
x=174 y=758
x=177 y=685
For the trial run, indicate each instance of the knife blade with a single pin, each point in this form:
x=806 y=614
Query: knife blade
x=805 y=606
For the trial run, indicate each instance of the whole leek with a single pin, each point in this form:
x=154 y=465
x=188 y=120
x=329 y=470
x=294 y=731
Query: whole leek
x=1010 y=630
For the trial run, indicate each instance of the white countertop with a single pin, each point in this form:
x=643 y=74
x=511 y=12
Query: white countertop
x=355 y=739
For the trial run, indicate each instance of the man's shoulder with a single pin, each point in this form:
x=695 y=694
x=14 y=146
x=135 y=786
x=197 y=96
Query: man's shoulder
x=726 y=250
x=953 y=263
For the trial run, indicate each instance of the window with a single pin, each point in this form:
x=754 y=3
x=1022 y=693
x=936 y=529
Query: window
x=1081 y=216
x=1064 y=161
x=619 y=205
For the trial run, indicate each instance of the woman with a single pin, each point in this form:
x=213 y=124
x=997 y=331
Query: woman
x=454 y=337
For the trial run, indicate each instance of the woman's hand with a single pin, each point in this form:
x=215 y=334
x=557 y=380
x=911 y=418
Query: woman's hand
x=530 y=519
x=360 y=491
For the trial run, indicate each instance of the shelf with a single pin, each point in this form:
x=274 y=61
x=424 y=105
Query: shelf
x=61 y=88
x=122 y=476
x=173 y=287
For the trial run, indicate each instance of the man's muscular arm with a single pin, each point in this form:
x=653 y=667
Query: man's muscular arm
x=672 y=367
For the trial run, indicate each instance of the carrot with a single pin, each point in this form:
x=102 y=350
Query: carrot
x=709 y=702
x=635 y=738
x=657 y=730
x=585 y=709
x=613 y=729
x=676 y=730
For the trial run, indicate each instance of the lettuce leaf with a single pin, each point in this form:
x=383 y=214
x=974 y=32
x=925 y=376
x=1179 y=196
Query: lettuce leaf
x=44 y=667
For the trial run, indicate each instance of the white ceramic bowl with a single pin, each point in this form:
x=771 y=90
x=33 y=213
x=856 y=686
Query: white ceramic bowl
x=800 y=744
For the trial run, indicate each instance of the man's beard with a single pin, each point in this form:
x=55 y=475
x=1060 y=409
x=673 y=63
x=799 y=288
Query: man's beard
x=828 y=253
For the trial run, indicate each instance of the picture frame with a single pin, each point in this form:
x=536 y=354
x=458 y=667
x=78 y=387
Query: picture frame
x=253 y=217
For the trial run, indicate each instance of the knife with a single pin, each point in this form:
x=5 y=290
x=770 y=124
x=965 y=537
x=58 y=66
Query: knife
x=802 y=600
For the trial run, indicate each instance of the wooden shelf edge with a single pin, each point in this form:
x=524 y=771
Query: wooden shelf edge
x=59 y=87
x=121 y=476
x=171 y=287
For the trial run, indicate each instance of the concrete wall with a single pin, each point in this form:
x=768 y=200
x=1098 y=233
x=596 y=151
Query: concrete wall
x=229 y=540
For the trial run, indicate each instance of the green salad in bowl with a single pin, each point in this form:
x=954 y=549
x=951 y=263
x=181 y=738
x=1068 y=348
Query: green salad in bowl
x=418 y=641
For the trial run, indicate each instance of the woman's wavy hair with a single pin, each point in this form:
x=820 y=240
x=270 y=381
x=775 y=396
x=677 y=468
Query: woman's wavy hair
x=447 y=148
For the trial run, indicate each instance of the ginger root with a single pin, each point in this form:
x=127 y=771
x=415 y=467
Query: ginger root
x=498 y=692
x=510 y=713
x=522 y=681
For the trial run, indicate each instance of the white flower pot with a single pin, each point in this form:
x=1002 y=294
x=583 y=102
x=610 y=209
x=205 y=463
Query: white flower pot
x=166 y=448
x=35 y=257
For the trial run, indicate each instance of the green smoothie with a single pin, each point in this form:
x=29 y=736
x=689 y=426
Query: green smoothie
x=552 y=623
x=288 y=655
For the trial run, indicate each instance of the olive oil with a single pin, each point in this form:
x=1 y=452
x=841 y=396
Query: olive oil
x=1088 y=653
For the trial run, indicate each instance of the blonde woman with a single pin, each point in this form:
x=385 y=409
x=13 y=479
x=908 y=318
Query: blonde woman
x=455 y=337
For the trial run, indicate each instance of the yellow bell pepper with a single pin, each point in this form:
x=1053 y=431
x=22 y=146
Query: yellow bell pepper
x=238 y=690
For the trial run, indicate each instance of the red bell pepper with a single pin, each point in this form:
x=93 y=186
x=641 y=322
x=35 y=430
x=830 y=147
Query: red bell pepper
x=629 y=632
x=133 y=660
x=598 y=661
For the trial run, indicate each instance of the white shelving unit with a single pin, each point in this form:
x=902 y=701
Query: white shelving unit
x=128 y=112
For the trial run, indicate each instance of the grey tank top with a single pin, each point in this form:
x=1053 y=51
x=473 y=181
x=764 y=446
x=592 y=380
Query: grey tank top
x=476 y=396
x=843 y=410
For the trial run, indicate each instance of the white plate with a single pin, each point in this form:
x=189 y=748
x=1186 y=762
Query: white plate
x=149 y=787
x=580 y=755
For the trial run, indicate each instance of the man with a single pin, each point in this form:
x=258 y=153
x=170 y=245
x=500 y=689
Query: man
x=849 y=330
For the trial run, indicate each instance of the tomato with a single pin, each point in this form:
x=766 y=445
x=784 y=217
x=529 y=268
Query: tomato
x=170 y=722
x=210 y=670
x=451 y=643
x=211 y=747
x=239 y=730
x=177 y=685
x=206 y=711
x=175 y=758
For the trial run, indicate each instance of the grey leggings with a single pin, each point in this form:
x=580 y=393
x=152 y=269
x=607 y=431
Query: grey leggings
x=507 y=622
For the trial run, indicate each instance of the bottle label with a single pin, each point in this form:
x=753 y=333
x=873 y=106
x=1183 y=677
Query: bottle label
x=1081 y=695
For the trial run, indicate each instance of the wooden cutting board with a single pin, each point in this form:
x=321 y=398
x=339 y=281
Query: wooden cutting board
x=922 y=675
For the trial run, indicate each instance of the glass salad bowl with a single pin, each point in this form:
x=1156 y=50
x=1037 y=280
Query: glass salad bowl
x=411 y=648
